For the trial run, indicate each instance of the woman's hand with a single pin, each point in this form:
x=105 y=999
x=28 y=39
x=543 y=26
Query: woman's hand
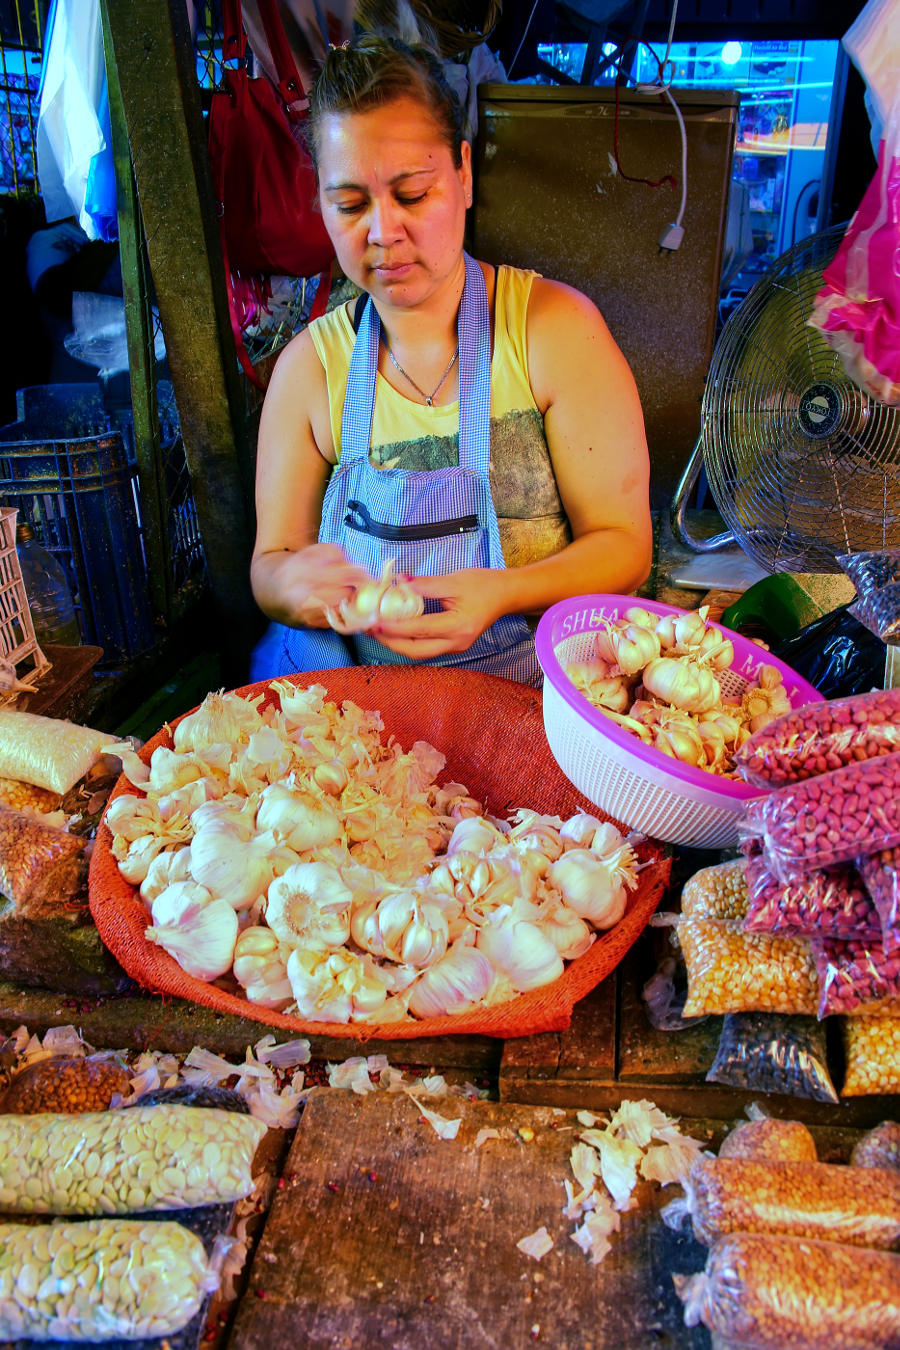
x=306 y=581
x=471 y=600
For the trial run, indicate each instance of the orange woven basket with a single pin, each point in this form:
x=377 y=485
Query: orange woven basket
x=492 y=733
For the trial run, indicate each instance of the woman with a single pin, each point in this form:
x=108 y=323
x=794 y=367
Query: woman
x=550 y=432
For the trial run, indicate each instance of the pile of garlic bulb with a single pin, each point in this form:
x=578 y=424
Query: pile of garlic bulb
x=294 y=850
x=657 y=677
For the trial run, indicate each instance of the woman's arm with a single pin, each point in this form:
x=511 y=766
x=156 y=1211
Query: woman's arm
x=595 y=433
x=292 y=576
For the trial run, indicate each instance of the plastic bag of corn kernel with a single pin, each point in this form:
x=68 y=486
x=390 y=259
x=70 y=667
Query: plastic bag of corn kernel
x=770 y=1140
x=716 y=892
x=795 y=1199
x=729 y=970
x=125 y=1161
x=38 y=864
x=770 y=1052
x=782 y=1293
x=871 y=1055
x=832 y=902
x=880 y=1147
x=135 y=1280
x=27 y=797
x=856 y=976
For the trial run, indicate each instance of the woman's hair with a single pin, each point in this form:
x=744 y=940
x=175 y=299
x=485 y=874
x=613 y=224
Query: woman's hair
x=372 y=70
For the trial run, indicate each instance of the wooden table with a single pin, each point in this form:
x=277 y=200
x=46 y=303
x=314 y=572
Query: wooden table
x=384 y=1234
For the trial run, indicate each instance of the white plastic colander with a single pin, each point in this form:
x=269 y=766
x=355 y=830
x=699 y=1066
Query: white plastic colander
x=633 y=782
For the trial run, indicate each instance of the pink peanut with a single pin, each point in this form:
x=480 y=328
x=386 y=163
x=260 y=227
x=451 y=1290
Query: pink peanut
x=840 y=815
x=821 y=737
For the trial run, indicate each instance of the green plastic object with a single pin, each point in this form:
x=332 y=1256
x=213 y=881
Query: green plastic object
x=778 y=605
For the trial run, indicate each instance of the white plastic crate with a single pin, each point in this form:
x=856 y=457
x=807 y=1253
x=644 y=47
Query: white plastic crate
x=17 y=640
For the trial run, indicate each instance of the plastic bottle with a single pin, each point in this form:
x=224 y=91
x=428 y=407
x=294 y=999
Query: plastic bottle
x=49 y=596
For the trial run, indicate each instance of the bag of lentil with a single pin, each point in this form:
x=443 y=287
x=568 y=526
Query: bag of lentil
x=783 y=1293
x=832 y=902
x=833 y=818
x=871 y=1055
x=820 y=737
x=856 y=975
x=125 y=1161
x=39 y=865
x=134 y=1280
x=729 y=970
x=879 y=1148
x=769 y=1140
x=769 y=1052
x=795 y=1199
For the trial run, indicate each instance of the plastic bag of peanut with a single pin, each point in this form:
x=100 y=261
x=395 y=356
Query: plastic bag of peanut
x=856 y=976
x=871 y=1055
x=858 y=1205
x=830 y=819
x=879 y=1148
x=100 y=1280
x=820 y=737
x=832 y=902
x=881 y=875
x=782 y=1293
x=729 y=970
x=38 y=864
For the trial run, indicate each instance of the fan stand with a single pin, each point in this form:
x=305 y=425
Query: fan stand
x=732 y=568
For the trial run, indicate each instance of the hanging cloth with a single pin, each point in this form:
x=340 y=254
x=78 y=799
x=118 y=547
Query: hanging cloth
x=73 y=148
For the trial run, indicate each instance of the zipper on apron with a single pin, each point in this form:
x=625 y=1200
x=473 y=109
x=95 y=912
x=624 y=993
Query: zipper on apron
x=358 y=518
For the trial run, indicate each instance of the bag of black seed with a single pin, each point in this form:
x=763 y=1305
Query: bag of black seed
x=772 y=1052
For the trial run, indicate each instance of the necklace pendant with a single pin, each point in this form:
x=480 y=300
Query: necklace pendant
x=429 y=403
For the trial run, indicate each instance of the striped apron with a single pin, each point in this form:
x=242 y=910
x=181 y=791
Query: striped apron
x=430 y=522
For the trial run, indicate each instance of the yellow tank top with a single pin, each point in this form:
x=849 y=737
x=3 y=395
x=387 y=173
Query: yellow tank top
x=410 y=435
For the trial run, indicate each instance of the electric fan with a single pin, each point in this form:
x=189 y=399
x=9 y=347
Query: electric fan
x=802 y=464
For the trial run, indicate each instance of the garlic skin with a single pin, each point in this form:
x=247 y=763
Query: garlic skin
x=197 y=930
x=309 y=905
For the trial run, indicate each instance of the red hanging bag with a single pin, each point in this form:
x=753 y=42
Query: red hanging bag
x=263 y=176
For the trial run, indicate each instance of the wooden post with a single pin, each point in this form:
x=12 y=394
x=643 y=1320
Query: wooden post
x=152 y=48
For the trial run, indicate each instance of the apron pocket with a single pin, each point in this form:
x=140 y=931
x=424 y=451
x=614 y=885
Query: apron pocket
x=358 y=518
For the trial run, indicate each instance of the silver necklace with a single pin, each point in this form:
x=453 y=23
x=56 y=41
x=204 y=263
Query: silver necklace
x=429 y=398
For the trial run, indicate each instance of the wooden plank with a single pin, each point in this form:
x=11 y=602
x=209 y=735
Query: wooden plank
x=154 y=60
x=586 y=1049
x=384 y=1234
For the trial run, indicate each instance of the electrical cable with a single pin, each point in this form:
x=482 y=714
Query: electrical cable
x=672 y=235
x=522 y=39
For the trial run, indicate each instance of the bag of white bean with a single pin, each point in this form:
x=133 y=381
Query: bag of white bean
x=125 y=1161
x=100 y=1280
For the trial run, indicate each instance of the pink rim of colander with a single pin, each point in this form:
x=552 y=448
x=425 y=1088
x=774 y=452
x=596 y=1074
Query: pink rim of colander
x=557 y=624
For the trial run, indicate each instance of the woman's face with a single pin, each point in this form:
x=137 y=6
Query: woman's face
x=393 y=201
